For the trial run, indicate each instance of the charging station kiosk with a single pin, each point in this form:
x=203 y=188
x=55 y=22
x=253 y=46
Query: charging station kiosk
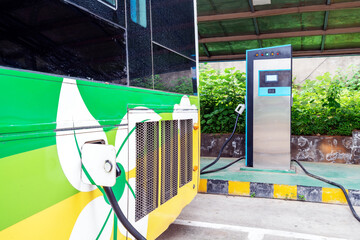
x=268 y=107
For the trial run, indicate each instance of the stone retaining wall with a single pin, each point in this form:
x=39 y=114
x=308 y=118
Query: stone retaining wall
x=336 y=149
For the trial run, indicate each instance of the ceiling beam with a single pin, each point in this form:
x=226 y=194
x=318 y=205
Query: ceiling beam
x=325 y=25
x=280 y=11
x=256 y=26
x=280 y=35
x=206 y=50
x=295 y=54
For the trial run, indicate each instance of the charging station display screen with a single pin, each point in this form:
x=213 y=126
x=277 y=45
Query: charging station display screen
x=271 y=78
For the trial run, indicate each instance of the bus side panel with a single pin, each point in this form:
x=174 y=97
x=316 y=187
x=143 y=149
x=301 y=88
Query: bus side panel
x=44 y=120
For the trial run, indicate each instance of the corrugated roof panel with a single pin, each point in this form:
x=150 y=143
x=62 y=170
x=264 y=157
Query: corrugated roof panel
x=230 y=6
x=226 y=28
x=340 y=1
x=312 y=21
x=294 y=41
x=219 y=48
x=204 y=7
x=239 y=26
x=280 y=23
x=210 y=29
x=291 y=22
x=241 y=47
x=222 y=6
x=311 y=43
x=344 y=18
x=298 y=43
x=201 y=50
x=340 y=41
x=289 y=3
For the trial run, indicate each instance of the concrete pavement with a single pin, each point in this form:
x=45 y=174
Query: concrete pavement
x=233 y=217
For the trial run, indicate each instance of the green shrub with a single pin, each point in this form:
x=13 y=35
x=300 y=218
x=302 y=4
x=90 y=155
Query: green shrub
x=327 y=106
x=220 y=93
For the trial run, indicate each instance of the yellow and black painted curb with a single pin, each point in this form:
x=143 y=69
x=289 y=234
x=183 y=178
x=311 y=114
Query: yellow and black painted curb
x=269 y=190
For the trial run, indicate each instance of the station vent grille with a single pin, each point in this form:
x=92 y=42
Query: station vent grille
x=169 y=159
x=147 y=165
x=186 y=151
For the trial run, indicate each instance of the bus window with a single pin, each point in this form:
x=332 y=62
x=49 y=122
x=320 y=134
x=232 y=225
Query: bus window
x=111 y=3
x=139 y=46
x=173 y=72
x=138 y=12
x=173 y=25
x=162 y=59
x=61 y=39
x=110 y=10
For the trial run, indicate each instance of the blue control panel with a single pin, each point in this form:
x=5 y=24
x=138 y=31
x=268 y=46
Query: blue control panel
x=275 y=82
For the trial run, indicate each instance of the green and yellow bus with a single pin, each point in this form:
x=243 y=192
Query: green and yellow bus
x=119 y=73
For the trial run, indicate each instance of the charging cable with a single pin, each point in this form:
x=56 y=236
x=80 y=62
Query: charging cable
x=120 y=215
x=332 y=183
x=239 y=109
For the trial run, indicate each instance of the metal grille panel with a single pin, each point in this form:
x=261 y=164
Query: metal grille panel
x=169 y=159
x=186 y=152
x=147 y=163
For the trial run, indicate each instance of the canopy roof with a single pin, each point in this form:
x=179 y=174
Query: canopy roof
x=227 y=28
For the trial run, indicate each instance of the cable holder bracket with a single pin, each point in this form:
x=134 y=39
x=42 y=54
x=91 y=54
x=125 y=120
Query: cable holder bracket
x=240 y=108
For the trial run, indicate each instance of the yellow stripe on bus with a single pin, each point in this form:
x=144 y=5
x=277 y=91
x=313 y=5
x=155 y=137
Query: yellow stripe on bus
x=55 y=222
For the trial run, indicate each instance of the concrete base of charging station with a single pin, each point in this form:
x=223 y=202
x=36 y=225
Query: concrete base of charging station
x=291 y=185
x=292 y=170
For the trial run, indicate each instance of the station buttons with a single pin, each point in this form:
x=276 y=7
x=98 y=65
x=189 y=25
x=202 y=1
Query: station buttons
x=267 y=54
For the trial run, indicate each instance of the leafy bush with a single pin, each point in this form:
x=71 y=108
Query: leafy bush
x=220 y=93
x=327 y=106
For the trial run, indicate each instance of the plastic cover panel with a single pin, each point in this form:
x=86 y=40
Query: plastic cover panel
x=169 y=159
x=147 y=162
x=186 y=152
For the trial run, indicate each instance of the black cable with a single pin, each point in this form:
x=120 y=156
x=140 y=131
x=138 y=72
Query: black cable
x=120 y=215
x=332 y=183
x=221 y=168
x=115 y=206
x=222 y=148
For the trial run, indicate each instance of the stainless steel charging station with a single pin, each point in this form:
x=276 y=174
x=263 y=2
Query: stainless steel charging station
x=268 y=107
